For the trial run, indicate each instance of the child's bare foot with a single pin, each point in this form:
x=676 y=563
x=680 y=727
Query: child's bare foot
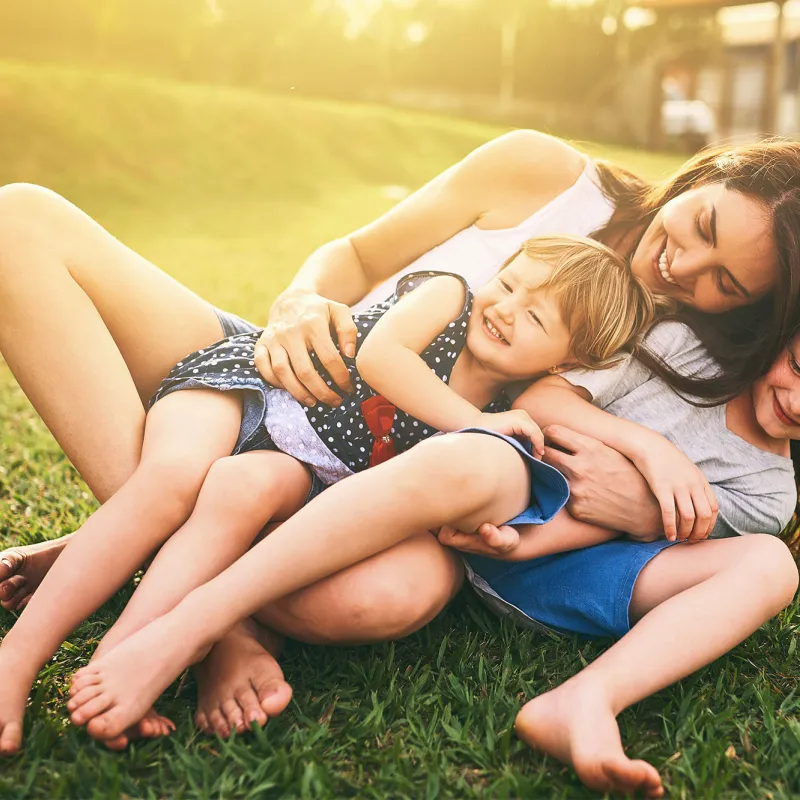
x=15 y=684
x=23 y=568
x=240 y=682
x=576 y=725
x=116 y=691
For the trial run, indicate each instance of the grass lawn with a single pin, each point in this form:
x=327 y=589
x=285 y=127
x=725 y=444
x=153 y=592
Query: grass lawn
x=228 y=191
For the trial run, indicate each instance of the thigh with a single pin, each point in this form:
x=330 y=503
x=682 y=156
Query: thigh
x=384 y=597
x=153 y=319
x=685 y=565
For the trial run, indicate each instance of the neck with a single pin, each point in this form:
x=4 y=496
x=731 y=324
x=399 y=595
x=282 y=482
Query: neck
x=741 y=419
x=474 y=381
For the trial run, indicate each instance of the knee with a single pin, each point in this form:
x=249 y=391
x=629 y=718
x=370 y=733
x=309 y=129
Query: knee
x=774 y=568
x=25 y=209
x=233 y=480
x=171 y=482
x=463 y=468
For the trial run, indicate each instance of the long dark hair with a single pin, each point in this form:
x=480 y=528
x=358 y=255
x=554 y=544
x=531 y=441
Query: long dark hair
x=744 y=341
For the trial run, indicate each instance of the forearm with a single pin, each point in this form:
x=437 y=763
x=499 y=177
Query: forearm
x=333 y=271
x=561 y=534
x=551 y=404
x=405 y=380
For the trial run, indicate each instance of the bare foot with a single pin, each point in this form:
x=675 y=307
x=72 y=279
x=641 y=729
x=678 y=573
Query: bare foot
x=23 y=568
x=240 y=682
x=151 y=726
x=576 y=725
x=15 y=684
x=115 y=692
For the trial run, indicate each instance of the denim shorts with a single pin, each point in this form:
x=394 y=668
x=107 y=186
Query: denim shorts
x=586 y=592
x=233 y=325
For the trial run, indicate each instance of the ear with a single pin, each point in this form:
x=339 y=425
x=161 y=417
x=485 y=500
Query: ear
x=563 y=367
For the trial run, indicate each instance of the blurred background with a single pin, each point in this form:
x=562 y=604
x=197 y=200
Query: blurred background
x=652 y=73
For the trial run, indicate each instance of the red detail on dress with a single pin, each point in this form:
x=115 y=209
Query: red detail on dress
x=379 y=415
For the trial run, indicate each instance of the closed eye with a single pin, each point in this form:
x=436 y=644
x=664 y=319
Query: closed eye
x=795 y=367
x=700 y=232
x=720 y=280
x=535 y=319
x=504 y=285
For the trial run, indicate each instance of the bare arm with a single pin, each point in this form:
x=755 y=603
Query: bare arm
x=389 y=361
x=500 y=183
x=688 y=505
x=523 y=542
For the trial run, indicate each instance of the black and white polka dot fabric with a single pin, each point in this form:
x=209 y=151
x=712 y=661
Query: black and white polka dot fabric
x=229 y=365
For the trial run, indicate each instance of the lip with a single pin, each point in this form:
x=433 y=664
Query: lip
x=665 y=286
x=782 y=416
x=486 y=330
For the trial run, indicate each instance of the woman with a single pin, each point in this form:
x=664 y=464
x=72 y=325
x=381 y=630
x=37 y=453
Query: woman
x=90 y=329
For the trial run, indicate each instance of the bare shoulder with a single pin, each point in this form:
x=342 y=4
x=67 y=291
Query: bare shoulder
x=518 y=172
x=529 y=156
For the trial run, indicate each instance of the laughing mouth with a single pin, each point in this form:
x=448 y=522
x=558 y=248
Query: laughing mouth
x=662 y=263
x=494 y=331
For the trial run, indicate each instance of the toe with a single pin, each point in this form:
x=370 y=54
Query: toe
x=10 y=563
x=11 y=738
x=9 y=589
x=83 y=696
x=274 y=696
x=252 y=710
x=233 y=715
x=118 y=743
x=107 y=725
x=90 y=709
x=201 y=721
x=82 y=678
x=219 y=725
x=630 y=777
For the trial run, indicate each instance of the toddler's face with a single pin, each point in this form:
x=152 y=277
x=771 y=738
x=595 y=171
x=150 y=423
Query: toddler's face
x=776 y=395
x=516 y=327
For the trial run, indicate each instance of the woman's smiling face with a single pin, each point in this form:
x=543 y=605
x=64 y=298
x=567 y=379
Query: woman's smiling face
x=710 y=248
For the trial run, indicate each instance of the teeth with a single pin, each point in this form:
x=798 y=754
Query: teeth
x=496 y=333
x=663 y=267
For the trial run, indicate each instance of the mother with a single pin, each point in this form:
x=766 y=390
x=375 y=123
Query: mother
x=89 y=329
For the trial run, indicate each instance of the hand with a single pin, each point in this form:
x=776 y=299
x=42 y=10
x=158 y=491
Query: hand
x=488 y=540
x=515 y=423
x=688 y=504
x=606 y=489
x=301 y=321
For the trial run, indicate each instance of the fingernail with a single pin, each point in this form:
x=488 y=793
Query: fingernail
x=309 y=401
x=350 y=350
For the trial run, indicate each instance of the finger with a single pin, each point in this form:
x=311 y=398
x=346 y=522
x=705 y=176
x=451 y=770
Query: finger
x=712 y=501
x=465 y=542
x=559 y=460
x=346 y=331
x=297 y=349
x=702 y=510
x=264 y=363
x=567 y=438
x=686 y=514
x=332 y=361
x=666 y=502
x=502 y=540
x=282 y=367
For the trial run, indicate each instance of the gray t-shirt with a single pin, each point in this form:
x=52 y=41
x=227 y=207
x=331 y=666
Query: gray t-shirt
x=755 y=489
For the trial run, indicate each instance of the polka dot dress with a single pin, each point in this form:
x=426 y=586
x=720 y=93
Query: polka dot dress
x=229 y=365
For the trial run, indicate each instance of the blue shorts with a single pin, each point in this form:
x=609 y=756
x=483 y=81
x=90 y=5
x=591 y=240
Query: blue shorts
x=233 y=325
x=587 y=592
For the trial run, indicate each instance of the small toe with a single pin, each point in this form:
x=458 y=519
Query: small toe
x=83 y=696
x=201 y=721
x=234 y=715
x=82 y=678
x=219 y=725
x=90 y=709
x=11 y=738
x=251 y=709
x=118 y=743
x=108 y=725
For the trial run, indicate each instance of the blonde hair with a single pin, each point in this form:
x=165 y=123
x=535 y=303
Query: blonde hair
x=602 y=303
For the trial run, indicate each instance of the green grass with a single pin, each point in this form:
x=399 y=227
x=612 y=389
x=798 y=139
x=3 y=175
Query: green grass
x=228 y=191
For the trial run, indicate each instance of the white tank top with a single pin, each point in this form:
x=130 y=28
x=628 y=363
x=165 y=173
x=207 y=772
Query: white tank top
x=477 y=254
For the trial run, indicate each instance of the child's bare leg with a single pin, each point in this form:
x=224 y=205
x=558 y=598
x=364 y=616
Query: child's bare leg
x=185 y=433
x=412 y=491
x=240 y=494
x=693 y=603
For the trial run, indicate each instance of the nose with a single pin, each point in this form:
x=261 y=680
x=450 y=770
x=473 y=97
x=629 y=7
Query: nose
x=689 y=264
x=505 y=310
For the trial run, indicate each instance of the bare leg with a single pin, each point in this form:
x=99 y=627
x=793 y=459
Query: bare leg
x=384 y=597
x=317 y=541
x=89 y=328
x=185 y=433
x=693 y=603
x=240 y=494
